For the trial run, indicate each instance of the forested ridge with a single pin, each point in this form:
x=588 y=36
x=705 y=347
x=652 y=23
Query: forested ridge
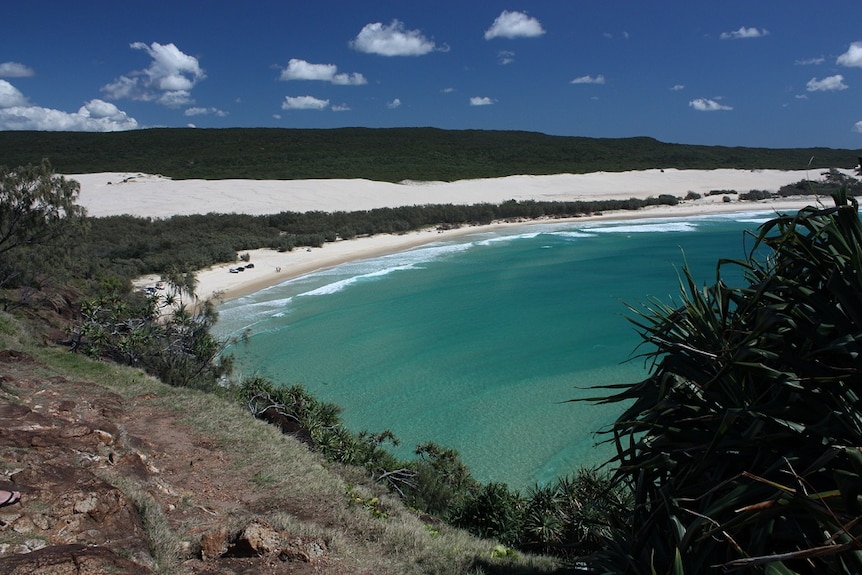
x=384 y=154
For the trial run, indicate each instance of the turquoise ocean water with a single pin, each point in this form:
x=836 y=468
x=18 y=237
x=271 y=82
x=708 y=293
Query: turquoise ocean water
x=478 y=343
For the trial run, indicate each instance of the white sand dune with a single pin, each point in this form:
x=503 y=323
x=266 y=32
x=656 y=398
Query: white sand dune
x=105 y=194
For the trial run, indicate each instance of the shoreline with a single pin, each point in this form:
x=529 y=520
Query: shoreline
x=155 y=196
x=272 y=268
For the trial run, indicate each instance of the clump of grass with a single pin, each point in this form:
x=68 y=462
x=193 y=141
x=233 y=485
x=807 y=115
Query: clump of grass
x=8 y=326
x=164 y=544
x=264 y=480
x=13 y=334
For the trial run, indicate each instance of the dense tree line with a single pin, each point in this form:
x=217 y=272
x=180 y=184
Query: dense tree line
x=128 y=246
x=390 y=154
x=831 y=181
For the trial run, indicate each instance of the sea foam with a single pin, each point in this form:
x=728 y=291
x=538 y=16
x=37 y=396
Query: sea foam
x=646 y=228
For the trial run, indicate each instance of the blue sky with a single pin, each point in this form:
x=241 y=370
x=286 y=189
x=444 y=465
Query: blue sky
x=738 y=73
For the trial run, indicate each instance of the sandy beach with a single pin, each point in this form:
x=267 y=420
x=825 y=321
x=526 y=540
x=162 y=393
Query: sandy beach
x=144 y=195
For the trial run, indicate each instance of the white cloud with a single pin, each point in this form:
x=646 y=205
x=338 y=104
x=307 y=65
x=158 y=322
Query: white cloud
x=10 y=96
x=123 y=87
x=15 y=70
x=94 y=116
x=600 y=79
x=448 y=90
x=304 y=103
x=852 y=57
x=396 y=103
x=744 y=32
x=171 y=69
x=810 y=61
x=16 y=113
x=302 y=70
x=678 y=87
x=205 y=111
x=827 y=84
x=167 y=80
x=341 y=108
x=100 y=109
x=514 y=25
x=505 y=57
x=481 y=101
x=857 y=127
x=391 y=40
x=706 y=105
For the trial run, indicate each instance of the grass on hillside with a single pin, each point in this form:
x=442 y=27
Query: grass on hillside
x=392 y=541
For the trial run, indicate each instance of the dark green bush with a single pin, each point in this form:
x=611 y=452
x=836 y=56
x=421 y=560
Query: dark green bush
x=161 y=333
x=755 y=195
x=494 y=512
x=742 y=446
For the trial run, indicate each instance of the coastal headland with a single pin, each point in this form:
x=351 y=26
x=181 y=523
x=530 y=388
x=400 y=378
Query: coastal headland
x=146 y=195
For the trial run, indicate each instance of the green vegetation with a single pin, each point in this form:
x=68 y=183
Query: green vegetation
x=38 y=218
x=567 y=519
x=352 y=509
x=740 y=450
x=128 y=247
x=742 y=446
x=391 y=155
x=167 y=333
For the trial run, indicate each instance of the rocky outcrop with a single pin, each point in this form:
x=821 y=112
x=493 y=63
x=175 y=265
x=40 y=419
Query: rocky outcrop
x=53 y=448
x=259 y=539
x=71 y=559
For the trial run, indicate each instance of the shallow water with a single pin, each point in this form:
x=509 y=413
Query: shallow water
x=478 y=343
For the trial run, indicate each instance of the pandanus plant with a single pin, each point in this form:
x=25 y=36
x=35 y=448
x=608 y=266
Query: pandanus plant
x=743 y=446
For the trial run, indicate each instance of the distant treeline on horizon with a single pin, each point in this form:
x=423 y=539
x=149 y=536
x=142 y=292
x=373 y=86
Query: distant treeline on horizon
x=382 y=154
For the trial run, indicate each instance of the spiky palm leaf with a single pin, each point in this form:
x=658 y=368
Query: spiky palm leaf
x=743 y=445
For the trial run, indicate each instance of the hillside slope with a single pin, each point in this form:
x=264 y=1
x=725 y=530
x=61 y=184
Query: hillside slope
x=122 y=474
